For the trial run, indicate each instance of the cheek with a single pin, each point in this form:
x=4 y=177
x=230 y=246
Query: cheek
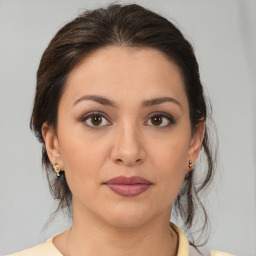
x=170 y=158
x=172 y=152
x=82 y=158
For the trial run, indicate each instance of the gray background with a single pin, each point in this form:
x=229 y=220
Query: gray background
x=223 y=34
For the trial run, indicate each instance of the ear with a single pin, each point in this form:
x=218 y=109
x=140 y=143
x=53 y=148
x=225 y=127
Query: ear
x=52 y=145
x=196 y=142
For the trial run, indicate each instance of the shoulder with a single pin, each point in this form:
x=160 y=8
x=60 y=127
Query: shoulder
x=43 y=249
x=217 y=253
x=184 y=248
x=38 y=250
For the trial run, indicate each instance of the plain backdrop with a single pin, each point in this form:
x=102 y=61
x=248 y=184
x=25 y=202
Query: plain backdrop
x=223 y=34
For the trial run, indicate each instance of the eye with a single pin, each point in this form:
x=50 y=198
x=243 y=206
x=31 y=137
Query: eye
x=161 y=120
x=94 y=120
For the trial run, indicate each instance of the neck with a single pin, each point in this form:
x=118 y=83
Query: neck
x=90 y=235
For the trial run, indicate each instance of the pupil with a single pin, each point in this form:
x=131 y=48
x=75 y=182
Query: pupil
x=96 y=120
x=157 y=120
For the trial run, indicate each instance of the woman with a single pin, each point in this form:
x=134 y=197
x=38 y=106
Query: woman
x=121 y=114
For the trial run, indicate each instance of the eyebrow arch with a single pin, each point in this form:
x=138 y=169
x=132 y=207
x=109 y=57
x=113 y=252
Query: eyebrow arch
x=145 y=103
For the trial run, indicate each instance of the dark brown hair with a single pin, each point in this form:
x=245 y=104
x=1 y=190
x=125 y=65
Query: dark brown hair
x=128 y=25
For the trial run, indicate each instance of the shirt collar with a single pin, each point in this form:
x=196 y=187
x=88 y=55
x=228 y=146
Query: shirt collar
x=183 y=247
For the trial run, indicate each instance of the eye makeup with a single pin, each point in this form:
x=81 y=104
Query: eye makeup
x=98 y=115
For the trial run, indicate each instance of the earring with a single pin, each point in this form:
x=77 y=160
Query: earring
x=190 y=164
x=57 y=169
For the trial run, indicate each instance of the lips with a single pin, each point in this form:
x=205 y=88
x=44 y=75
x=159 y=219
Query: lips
x=128 y=186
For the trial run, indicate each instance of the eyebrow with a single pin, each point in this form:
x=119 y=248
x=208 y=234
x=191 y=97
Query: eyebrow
x=146 y=103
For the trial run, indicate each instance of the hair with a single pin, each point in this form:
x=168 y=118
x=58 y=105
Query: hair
x=127 y=25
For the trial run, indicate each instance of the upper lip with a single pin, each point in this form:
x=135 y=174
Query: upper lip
x=128 y=180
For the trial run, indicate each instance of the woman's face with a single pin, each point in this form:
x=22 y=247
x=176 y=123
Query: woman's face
x=130 y=134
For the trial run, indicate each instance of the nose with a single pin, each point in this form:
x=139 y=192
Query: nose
x=128 y=146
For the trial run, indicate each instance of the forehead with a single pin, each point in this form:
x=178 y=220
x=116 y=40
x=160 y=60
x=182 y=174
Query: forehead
x=126 y=72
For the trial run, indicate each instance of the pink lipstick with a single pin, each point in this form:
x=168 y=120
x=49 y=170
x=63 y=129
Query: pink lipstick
x=128 y=186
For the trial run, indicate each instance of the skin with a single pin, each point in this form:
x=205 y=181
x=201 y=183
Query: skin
x=127 y=141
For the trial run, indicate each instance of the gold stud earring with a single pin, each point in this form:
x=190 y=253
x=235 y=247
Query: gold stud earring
x=57 y=169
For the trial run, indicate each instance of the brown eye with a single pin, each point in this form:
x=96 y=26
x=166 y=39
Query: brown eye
x=156 y=120
x=161 y=120
x=94 y=120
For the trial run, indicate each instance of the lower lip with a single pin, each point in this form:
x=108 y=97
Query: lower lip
x=129 y=190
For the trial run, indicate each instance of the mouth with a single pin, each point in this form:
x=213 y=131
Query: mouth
x=128 y=186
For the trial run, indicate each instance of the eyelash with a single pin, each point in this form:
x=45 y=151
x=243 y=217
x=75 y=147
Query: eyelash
x=157 y=114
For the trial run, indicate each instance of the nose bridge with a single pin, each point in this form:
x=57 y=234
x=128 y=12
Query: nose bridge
x=128 y=146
